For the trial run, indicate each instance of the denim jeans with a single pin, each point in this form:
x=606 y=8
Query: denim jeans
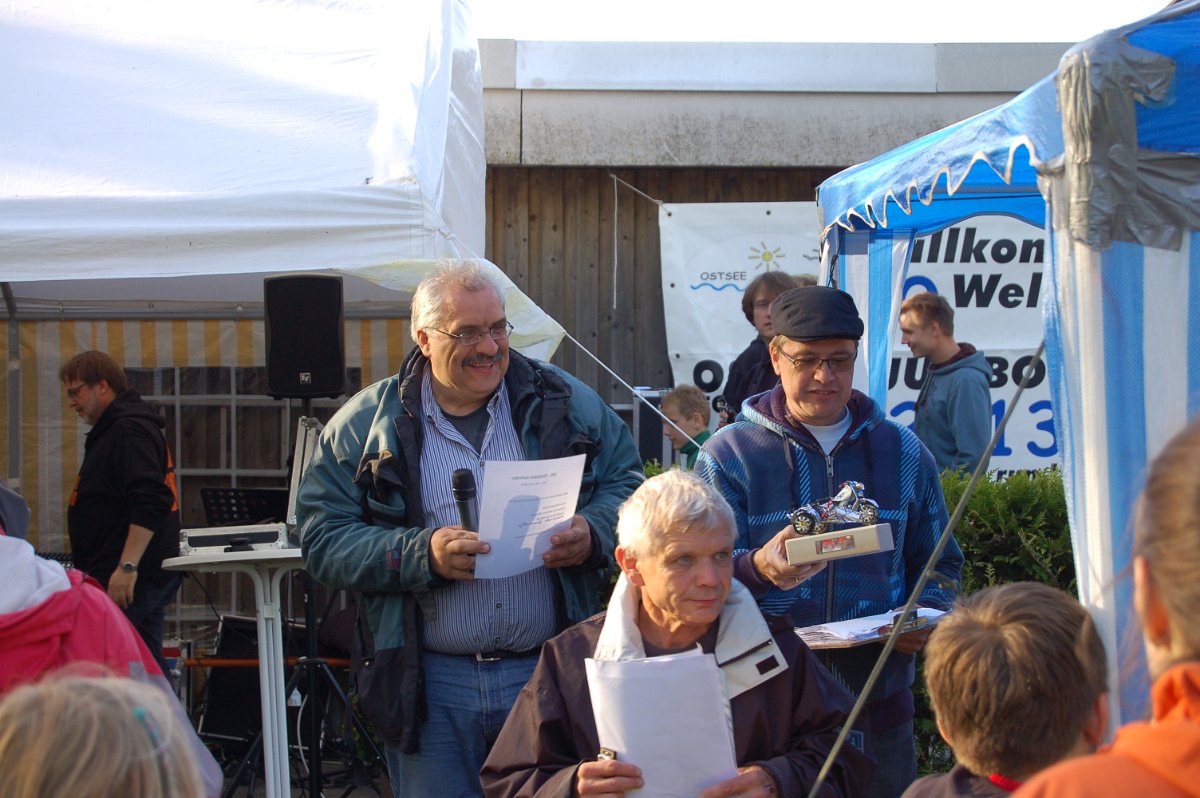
x=468 y=703
x=146 y=613
x=895 y=754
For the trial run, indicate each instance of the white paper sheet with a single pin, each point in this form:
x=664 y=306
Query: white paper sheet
x=667 y=715
x=522 y=504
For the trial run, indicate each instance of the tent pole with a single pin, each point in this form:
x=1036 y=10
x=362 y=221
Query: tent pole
x=13 y=373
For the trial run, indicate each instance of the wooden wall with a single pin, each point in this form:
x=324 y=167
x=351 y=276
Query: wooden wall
x=551 y=230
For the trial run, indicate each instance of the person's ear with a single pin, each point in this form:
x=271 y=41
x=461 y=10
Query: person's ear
x=1096 y=726
x=775 y=358
x=1155 y=625
x=628 y=565
x=423 y=342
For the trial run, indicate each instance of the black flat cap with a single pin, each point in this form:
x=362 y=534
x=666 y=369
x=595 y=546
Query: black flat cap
x=815 y=313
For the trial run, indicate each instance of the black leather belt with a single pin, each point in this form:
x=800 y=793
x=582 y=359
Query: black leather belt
x=504 y=653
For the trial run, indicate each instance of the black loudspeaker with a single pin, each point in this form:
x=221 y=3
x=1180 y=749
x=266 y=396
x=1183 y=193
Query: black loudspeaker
x=305 y=343
x=648 y=428
x=232 y=706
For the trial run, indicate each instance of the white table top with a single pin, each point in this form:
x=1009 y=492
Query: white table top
x=198 y=562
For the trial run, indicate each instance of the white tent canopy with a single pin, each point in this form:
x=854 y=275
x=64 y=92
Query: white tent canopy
x=158 y=160
x=160 y=144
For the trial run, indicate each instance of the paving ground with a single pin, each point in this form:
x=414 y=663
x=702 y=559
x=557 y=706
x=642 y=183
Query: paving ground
x=337 y=784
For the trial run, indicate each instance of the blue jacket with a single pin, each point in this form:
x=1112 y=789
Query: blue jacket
x=954 y=410
x=765 y=467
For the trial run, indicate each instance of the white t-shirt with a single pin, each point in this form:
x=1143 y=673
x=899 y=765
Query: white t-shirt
x=829 y=435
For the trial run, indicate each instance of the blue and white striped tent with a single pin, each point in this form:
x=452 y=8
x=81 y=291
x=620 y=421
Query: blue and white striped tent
x=1104 y=154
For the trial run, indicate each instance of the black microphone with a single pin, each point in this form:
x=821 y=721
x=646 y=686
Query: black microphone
x=462 y=485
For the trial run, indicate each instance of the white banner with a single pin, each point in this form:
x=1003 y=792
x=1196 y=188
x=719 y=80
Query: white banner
x=710 y=252
x=989 y=268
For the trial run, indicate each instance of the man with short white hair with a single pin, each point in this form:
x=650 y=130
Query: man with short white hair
x=676 y=592
x=376 y=514
x=797 y=444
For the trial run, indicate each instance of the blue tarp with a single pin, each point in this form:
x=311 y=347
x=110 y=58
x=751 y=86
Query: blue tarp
x=984 y=162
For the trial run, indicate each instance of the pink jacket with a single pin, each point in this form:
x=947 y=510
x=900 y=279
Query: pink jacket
x=51 y=617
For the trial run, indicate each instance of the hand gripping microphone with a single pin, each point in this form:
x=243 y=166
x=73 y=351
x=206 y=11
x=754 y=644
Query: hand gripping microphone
x=462 y=485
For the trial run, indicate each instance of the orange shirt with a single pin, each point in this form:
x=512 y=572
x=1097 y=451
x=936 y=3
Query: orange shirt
x=1155 y=759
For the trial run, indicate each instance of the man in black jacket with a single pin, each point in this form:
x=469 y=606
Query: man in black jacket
x=123 y=516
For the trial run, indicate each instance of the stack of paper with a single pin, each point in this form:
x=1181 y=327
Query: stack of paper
x=667 y=715
x=859 y=630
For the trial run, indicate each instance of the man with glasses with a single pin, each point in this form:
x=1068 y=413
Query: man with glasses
x=796 y=444
x=123 y=515
x=377 y=514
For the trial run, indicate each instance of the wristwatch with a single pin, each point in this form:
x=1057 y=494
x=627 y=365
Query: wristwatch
x=129 y=567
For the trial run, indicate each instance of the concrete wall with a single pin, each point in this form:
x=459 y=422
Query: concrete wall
x=736 y=104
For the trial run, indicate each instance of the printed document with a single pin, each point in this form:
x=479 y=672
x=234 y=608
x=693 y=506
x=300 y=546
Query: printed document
x=523 y=503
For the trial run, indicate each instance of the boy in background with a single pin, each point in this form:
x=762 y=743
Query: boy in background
x=1018 y=678
x=687 y=407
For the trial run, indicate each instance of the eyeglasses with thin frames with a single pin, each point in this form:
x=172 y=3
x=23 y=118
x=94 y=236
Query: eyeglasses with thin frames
x=73 y=393
x=498 y=333
x=807 y=364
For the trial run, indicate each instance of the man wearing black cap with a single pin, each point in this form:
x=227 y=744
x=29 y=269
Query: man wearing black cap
x=796 y=444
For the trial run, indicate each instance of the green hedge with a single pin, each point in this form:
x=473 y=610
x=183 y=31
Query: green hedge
x=1013 y=530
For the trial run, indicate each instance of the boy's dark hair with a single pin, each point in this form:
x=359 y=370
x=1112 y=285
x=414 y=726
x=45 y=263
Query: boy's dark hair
x=1013 y=674
x=91 y=367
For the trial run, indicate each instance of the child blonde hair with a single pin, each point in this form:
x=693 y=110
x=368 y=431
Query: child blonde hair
x=94 y=737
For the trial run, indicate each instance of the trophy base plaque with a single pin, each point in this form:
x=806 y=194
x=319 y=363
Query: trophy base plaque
x=850 y=542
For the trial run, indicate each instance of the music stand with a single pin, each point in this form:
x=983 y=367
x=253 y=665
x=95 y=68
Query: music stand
x=238 y=506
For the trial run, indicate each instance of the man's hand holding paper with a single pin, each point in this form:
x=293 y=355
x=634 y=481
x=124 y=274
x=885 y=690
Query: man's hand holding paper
x=572 y=546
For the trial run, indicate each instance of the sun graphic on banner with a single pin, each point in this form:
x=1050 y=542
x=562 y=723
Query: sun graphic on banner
x=767 y=258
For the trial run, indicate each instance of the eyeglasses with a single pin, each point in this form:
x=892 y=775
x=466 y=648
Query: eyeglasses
x=838 y=364
x=73 y=393
x=498 y=333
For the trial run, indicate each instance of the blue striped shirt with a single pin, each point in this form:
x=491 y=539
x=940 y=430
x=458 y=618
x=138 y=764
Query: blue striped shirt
x=519 y=612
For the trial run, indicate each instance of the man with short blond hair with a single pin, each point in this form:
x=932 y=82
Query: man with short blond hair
x=954 y=408
x=797 y=444
x=123 y=515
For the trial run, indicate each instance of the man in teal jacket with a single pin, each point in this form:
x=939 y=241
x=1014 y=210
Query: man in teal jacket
x=376 y=515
